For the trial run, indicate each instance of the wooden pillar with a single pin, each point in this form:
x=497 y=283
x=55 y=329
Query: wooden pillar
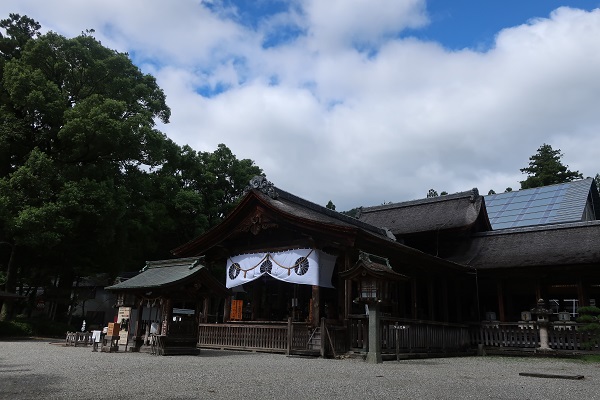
x=538 y=291
x=431 y=300
x=316 y=305
x=581 y=292
x=167 y=316
x=138 y=321
x=347 y=288
x=206 y=309
x=501 y=311
x=256 y=297
x=227 y=309
x=413 y=298
x=457 y=293
x=445 y=301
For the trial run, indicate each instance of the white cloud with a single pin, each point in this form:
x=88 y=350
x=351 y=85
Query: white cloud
x=358 y=128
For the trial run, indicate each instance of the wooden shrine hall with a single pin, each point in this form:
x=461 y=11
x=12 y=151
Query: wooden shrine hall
x=429 y=276
x=169 y=299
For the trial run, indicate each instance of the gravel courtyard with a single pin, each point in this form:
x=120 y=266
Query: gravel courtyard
x=44 y=370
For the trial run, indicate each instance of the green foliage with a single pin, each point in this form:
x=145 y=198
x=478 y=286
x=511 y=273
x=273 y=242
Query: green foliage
x=508 y=189
x=15 y=329
x=491 y=192
x=27 y=327
x=330 y=205
x=432 y=193
x=545 y=168
x=352 y=212
x=590 y=317
x=87 y=184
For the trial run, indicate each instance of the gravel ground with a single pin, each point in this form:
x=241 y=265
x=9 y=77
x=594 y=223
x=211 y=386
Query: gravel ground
x=44 y=370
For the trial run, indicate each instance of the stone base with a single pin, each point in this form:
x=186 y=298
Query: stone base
x=373 y=358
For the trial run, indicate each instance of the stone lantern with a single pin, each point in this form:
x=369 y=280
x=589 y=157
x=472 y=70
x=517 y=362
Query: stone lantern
x=543 y=321
x=373 y=275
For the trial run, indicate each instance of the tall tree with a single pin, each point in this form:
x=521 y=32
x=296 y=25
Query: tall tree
x=77 y=120
x=545 y=168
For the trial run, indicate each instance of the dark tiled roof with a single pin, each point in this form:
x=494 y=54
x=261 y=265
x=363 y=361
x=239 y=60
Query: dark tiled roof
x=294 y=205
x=453 y=211
x=554 y=204
x=564 y=244
x=162 y=273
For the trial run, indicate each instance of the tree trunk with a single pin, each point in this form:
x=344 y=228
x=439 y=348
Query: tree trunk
x=11 y=284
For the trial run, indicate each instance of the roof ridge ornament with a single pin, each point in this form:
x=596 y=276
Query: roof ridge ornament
x=474 y=194
x=261 y=184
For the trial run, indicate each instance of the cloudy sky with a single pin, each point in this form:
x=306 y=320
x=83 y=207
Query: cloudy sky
x=364 y=101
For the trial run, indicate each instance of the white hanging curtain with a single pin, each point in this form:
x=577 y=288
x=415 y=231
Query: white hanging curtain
x=303 y=266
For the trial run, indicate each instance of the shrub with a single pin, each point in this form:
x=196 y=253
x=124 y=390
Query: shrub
x=590 y=317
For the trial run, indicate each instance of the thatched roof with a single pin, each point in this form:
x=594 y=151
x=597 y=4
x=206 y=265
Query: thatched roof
x=564 y=244
x=450 y=212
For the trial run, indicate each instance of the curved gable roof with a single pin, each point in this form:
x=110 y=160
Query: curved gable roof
x=454 y=211
x=168 y=273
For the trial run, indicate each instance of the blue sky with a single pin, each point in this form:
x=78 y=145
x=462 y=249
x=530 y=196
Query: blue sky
x=364 y=101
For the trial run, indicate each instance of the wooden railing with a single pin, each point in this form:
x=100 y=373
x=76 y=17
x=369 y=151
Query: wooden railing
x=269 y=337
x=406 y=335
x=528 y=336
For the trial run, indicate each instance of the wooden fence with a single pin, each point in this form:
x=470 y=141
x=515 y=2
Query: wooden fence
x=401 y=335
x=269 y=337
x=528 y=336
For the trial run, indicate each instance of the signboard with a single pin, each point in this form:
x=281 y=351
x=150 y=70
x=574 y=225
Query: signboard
x=237 y=307
x=123 y=318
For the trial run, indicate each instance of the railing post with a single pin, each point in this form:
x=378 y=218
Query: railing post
x=290 y=336
x=323 y=333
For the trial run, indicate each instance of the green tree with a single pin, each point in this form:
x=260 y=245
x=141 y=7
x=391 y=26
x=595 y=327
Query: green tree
x=87 y=184
x=77 y=121
x=545 y=168
x=330 y=205
x=432 y=193
x=492 y=191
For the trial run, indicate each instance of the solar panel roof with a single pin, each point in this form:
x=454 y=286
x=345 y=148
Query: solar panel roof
x=563 y=202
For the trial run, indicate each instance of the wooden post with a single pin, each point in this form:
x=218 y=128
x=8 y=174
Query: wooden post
x=581 y=295
x=227 y=309
x=323 y=337
x=137 y=338
x=316 y=306
x=413 y=298
x=431 y=300
x=256 y=297
x=206 y=309
x=167 y=316
x=446 y=302
x=290 y=336
x=347 y=289
x=500 y=290
x=538 y=291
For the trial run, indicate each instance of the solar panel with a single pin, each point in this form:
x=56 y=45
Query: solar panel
x=563 y=202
